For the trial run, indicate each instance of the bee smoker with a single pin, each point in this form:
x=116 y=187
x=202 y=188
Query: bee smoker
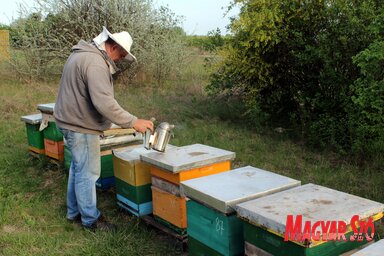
x=160 y=138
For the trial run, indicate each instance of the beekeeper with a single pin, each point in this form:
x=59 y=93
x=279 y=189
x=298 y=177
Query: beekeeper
x=85 y=107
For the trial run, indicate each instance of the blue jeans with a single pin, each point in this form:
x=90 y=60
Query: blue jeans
x=83 y=173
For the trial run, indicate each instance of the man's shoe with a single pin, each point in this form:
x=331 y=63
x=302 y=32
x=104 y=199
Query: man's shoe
x=76 y=219
x=101 y=224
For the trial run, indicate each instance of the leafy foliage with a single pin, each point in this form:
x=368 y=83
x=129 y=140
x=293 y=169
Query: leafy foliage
x=368 y=99
x=292 y=60
x=211 y=42
x=47 y=35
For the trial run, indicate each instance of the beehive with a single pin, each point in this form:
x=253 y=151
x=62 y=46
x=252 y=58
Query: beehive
x=129 y=168
x=109 y=144
x=265 y=219
x=133 y=180
x=212 y=220
x=106 y=164
x=188 y=162
x=179 y=164
x=48 y=124
x=196 y=248
x=34 y=136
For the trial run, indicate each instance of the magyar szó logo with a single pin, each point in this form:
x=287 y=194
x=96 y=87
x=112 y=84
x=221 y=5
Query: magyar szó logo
x=333 y=230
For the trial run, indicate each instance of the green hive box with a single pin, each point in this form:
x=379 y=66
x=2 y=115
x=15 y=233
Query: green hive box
x=195 y=248
x=51 y=132
x=276 y=246
x=210 y=212
x=136 y=194
x=106 y=166
x=222 y=232
x=314 y=203
x=34 y=136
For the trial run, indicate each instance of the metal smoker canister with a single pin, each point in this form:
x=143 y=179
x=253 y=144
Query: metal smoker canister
x=162 y=136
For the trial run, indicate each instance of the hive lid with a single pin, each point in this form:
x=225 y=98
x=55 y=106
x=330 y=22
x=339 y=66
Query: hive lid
x=46 y=108
x=132 y=153
x=224 y=190
x=120 y=132
x=313 y=202
x=375 y=249
x=110 y=141
x=32 y=119
x=187 y=157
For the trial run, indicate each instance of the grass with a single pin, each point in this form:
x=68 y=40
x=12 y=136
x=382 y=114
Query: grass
x=32 y=191
x=32 y=194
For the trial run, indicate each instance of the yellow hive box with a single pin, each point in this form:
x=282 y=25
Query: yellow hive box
x=128 y=167
x=169 y=207
x=176 y=178
x=135 y=174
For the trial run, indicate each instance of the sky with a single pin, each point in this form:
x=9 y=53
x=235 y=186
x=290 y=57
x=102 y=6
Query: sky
x=200 y=16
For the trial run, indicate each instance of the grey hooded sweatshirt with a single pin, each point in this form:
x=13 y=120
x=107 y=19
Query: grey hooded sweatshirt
x=86 y=102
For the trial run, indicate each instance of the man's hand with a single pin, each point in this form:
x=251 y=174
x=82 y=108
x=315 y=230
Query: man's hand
x=141 y=125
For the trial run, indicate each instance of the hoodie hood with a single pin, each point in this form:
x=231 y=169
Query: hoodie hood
x=84 y=46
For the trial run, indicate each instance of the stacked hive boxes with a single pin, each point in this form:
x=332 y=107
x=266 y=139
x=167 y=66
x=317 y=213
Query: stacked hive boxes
x=265 y=220
x=179 y=164
x=376 y=249
x=34 y=136
x=53 y=138
x=133 y=180
x=213 y=227
x=107 y=145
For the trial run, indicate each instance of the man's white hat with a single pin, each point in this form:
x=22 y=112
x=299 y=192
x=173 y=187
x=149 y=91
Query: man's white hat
x=123 y=39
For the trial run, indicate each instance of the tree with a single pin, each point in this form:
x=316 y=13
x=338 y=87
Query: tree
x=62 y=23
x=368 y=99
x=292 y=60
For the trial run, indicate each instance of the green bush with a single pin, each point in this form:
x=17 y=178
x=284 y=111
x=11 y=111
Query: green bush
x=211 y=42
x=292 y=62
x=368 y=99
x=47 y=39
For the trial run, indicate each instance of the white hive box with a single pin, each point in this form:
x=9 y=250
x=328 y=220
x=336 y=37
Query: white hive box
x=224 y=190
